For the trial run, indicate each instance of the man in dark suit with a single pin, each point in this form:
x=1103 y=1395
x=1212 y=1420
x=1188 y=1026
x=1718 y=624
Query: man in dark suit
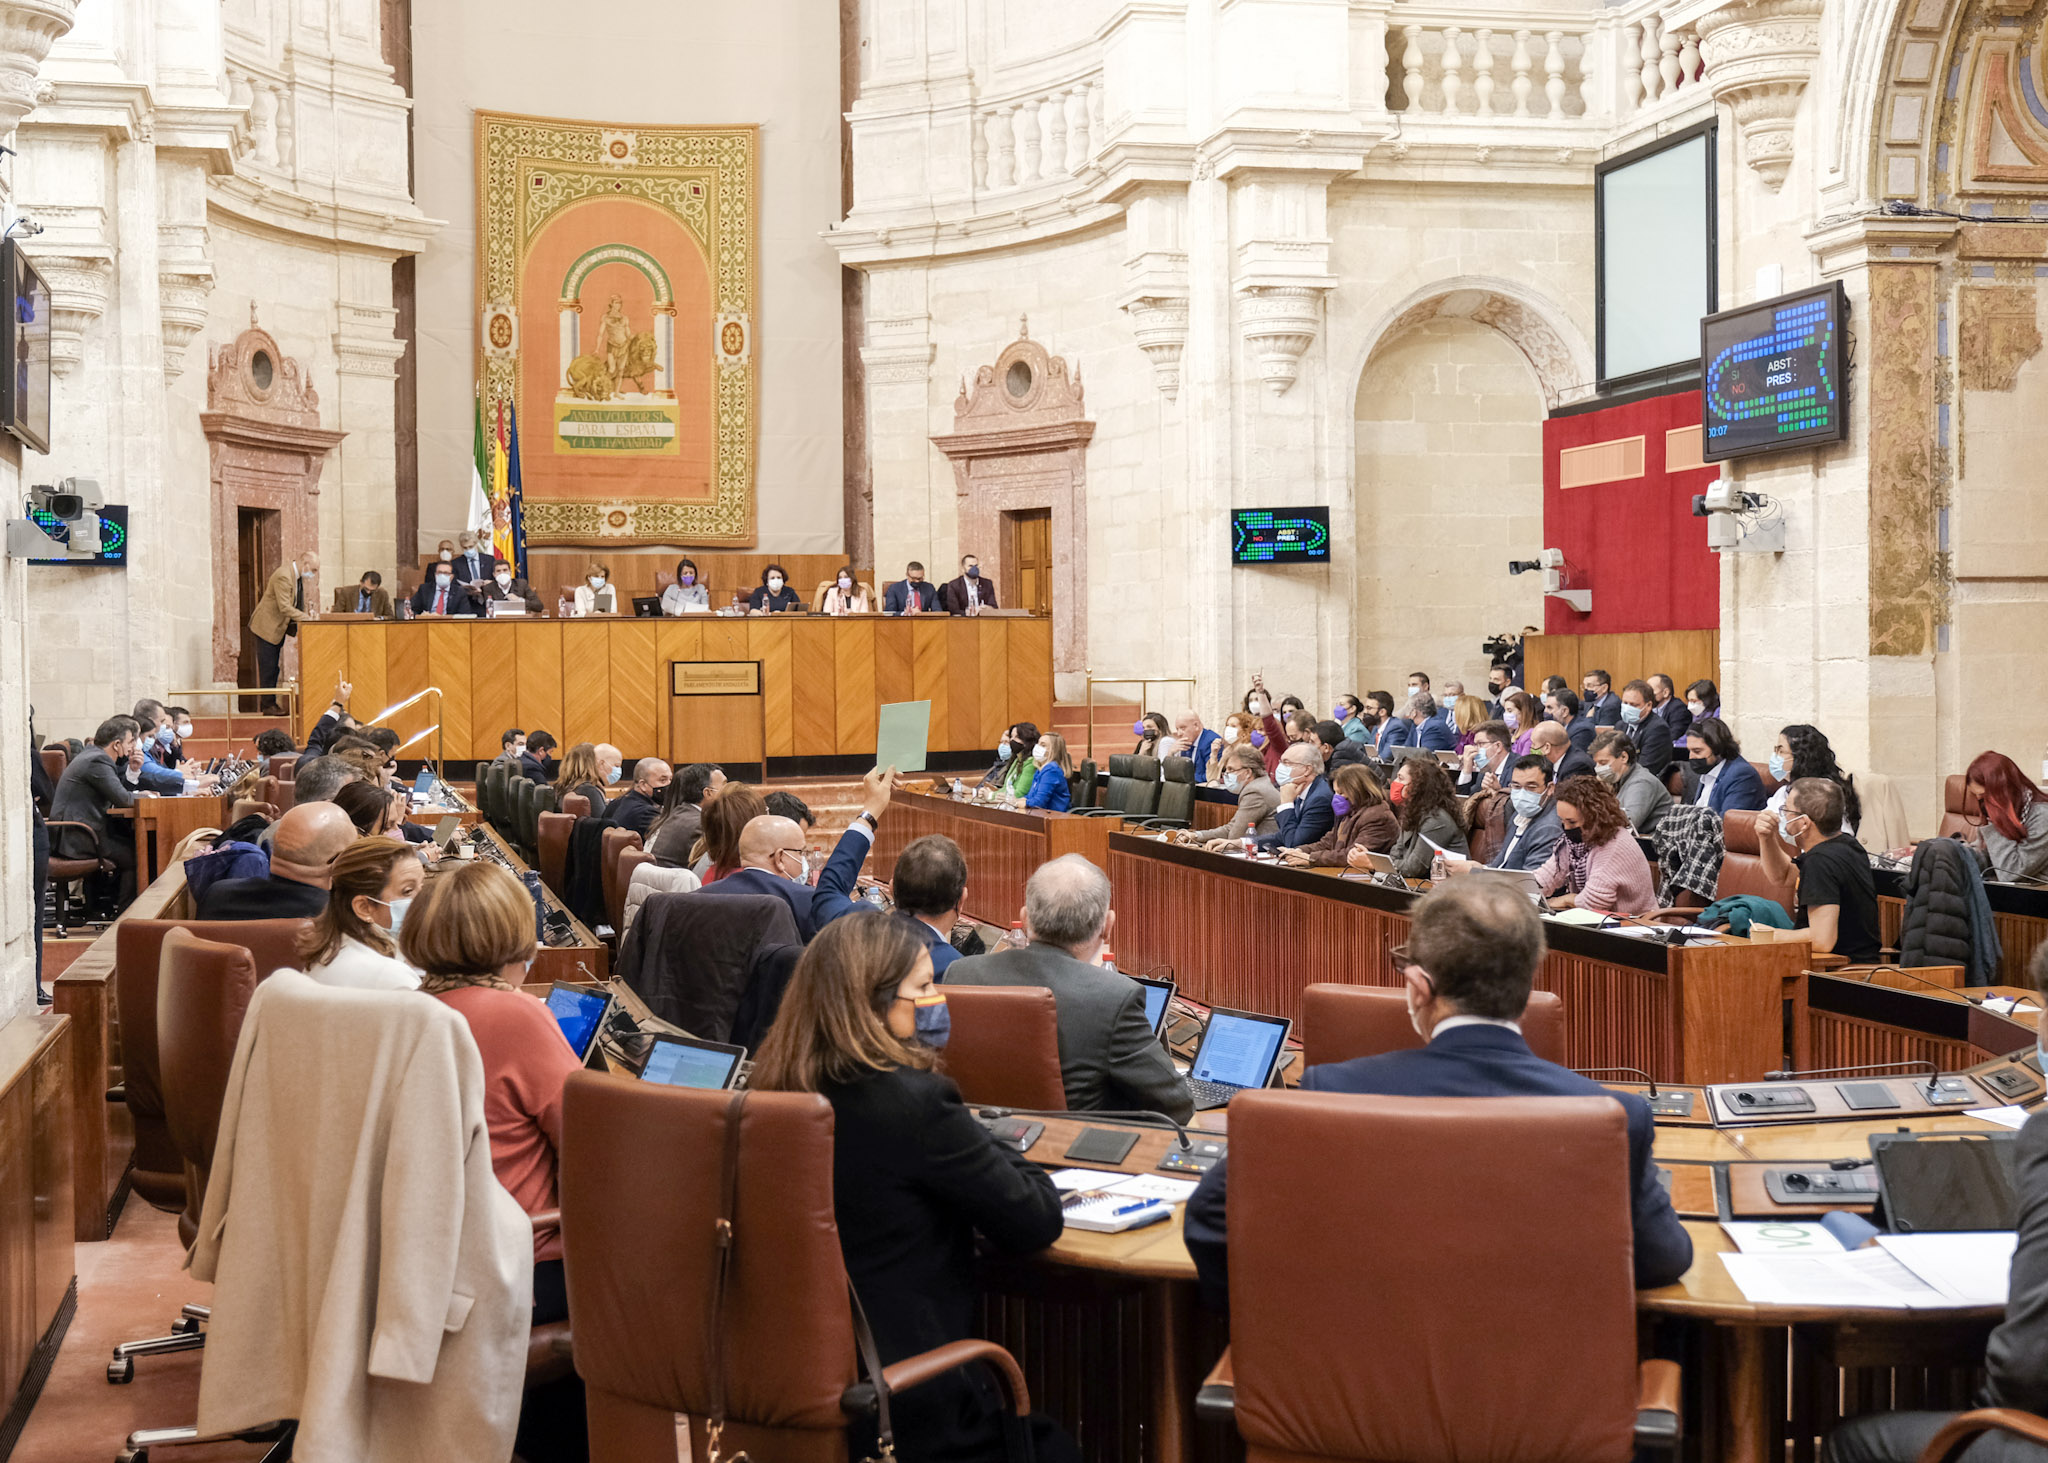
x=303 y=844
x=636 y=809
x=1304 y=813
x=534 y=761
x=1649 y=731
x=92 y=784
x=773 y=862
x=369 y=597
x=970 y=593
x=1532 y=831
x=1671 y=706
x=1468 y=968
x=1596 y=691
x=1196 y=741
x=441 y=595
x=927 y=886
x=1393 y=731
x=505 y=585
x=910 y=595
x=1431 y=731
x=473 y=564
x=1109 y=1058
x=1566 y=710
x=1550 y=742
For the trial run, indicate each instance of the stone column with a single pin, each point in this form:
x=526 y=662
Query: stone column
x=358 y=499
x=912 y=484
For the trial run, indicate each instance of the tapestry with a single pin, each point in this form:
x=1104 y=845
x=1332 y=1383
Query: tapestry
x=617 y=289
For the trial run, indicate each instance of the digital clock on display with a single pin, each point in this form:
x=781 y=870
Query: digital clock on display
x=1771 y=375
x=1280 y=536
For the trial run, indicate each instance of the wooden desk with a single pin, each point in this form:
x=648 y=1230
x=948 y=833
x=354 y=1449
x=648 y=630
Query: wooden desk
x=1252 y=935
x=607 y=679
x=586 y=962
x=161 y=824
x=2019 y=913
x=1002 y=846
x=36 y=1190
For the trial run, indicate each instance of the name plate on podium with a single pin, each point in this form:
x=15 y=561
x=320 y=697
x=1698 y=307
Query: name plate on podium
x=715 y=678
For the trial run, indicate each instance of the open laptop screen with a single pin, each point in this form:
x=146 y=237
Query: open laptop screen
x=1158 y=993
x=1239 y=1048
x=677 y=1063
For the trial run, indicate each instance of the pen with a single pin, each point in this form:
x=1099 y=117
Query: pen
x=1132 y=1208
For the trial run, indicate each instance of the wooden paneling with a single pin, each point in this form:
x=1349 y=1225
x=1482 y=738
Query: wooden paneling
x=1732 y=1001
x=722 y=729
x=36 y=1244
x=1030 y=673
x=448 y=668
x=963 y=686
x=538 y=649
x=323 y=664
x=366 y=670
x=1684 y=655
x=928 y=672
x=1002 y=846
x=405 y=674
x=895 y=662
x=637 y=683
x=1835 y=1040
x=858 y=702
x=586 y=685
x=493 y=687
x=992 y=656
x=768 y=643
x=814 y=689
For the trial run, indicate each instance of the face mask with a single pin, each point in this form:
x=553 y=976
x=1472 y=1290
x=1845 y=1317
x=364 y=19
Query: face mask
x=611 y=776
x=1609 y=772
x=444 y=580
x=597 y=581
x=1415 y=690
x=774 y=582
x=804 y=869
x=1630 y=715
x=1231 y=781
x=1528 y=802
x=1511 y=718
x=1479 y=759
x=184 y=728
x=844 y=582
x=1258 y=739
x=504 y=580
x=166 y=735
x=974 y=571
x=1285 y=775
x=1575 y=835
x=447 y=556
x=1004 y=751
x=686 y=579
x=1398 y=794
x=1340 y=805
x=934 y=1021
x=1230 y=734
x=1040 y=753
x=1139 y=729
x=1785 y=832
x=398 y=907
x=1777 y=768
x=1340 y=714
x=1697 y=708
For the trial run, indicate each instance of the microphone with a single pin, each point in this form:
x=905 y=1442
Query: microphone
x=1135 y=1119
x=1871 y=975
x=1922 y=1063
x=1631 y=1071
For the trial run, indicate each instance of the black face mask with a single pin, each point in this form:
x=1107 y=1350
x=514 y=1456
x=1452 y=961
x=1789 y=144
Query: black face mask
x=1575 y=835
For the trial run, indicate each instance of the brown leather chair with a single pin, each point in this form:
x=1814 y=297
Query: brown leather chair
x=1957 y=807
x=1742 y=867
x=553 y=850
x=611 y=844
x=1459 y=1288
x=54 y=761
x=1005 y=1046
x=629 y=860
x=159 y=1172
x=285 y=767
x=1763 y=775
x=576 y=805
x=1339 y=1022
x=642 y=1259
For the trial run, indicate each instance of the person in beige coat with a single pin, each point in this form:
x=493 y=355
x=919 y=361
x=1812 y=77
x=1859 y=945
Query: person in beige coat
x=281 y=606
x=1244 y=773
x=371 y=1277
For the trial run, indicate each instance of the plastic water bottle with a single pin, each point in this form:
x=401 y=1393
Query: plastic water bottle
x=1015 y=939
x=875 y=896
x=1108 y=961
x=1251 y=846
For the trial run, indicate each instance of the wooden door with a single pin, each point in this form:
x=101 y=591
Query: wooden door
x=259 y=549
x=1027 y=560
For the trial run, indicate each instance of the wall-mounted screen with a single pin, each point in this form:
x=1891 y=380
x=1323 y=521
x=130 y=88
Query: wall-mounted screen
x=1772 y=374
x=1280 y=536
x=1653 y=222
x=25 y=351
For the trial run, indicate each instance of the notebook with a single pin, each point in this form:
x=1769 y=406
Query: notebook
x=684 y=1061
x=1239 y=1050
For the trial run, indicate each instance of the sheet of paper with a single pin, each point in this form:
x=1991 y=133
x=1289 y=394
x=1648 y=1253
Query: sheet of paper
x=904 y=730
x=1124 y=1185
x=1066 y=1180
x=1579 y=917
x=1971 y=1269
x=1853 y=1278
x=2010 y=1005
x=1781 y=1237
x=2005 y=1117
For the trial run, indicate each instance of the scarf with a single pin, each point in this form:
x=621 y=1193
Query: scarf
x=435 y=985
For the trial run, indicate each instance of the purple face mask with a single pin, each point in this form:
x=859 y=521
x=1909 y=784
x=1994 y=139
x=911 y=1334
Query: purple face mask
x=1137 y=728
x=1340 y=805
x=1340 y=713
x=1258 y=739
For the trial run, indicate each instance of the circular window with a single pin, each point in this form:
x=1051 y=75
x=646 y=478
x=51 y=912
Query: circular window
x=261 y=371
x=1019 y=379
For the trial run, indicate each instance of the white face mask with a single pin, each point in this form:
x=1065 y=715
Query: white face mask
x=1230 y=734
x=503 y=580
x=447 y=556
x=597 y=581
x=1039 y=754
x=1285 y=775
x=184 y=730
x=444 y=580
x=1697 y=708
x=774 y=582
x=844 y=582
x=1231 y=781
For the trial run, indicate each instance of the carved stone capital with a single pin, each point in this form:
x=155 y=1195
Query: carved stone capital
x=80 y=285
x=28 y=28
x=1160 y=322
x=1759 y=55
x=1280 y=322
x=181 y=294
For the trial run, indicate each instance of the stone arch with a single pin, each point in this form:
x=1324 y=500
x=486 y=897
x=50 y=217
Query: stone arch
x=1557 y=353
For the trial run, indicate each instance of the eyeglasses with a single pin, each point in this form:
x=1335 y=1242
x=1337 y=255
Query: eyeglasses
x=1400 y=958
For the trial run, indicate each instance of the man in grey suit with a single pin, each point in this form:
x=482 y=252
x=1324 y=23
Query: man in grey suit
x=1109 y=1059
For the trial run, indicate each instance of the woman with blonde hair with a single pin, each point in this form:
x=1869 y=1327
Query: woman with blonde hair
x=353 y=941
x=1468 y=714
x=596 y=595
x=1052 y=786
x=916 y=1177
x=579 y=773
x=724 y=817
x=1240 y=729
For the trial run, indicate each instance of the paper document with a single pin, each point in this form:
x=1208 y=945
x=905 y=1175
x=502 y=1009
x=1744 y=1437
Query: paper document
x=1971 y=1269
x=1124 y=1185
x=1781 y=1237
x=2005 y=1117
x=1853 y=1278
x=1579 y=917
x=902 y=733
x=2010 y=1006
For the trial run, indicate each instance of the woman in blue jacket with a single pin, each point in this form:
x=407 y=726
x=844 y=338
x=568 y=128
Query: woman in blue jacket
x=1728 y=784
x=1052 y=785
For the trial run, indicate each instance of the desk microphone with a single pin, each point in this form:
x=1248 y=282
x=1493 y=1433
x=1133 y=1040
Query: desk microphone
x=1631 y=1071
x=1932 y=1071
x=1136 y=1119
x=1871 y=975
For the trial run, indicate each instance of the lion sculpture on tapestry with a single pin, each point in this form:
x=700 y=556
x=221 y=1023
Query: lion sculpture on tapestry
x=591 y=379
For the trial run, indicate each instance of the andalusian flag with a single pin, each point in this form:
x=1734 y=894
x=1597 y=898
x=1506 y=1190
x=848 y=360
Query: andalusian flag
x=479 y=475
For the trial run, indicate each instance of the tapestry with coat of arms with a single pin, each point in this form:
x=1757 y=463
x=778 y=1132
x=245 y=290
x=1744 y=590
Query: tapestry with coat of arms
x=617 y=290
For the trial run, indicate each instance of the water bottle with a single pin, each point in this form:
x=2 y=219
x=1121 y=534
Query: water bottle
x=1251 y=846
x=1108 y=961
x=1015 y=939
x=875 y=896
x=540 y=904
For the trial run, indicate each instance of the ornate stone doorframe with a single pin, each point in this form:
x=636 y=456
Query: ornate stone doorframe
x=1019 y=442
x=267 y=447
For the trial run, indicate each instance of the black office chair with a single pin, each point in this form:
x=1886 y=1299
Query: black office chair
x=529 y=816
x=1085 y=791
x=516 y=788
x=490 y=792
x=1176 y=796
x=1115 y=801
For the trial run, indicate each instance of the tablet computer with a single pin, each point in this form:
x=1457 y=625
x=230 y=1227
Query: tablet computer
x=1158 y=996
x=580 y=1012
x=684 y=1061
x=1935 y=1182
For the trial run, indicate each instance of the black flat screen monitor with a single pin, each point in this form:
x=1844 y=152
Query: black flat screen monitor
x=1280 y=536
x=25 y=351
x=1772 y=375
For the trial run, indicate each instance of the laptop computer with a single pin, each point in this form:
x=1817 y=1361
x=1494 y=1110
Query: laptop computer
x=1239 y=1050
x=646 y=607
x=1158 y=996
x=580 y=1012
x=684 y=1061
